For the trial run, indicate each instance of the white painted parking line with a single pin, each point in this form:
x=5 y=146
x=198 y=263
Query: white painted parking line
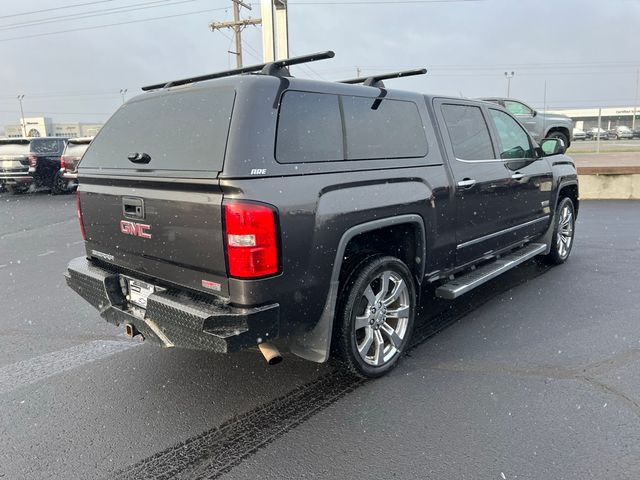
x=35 y=369
x=48 y=252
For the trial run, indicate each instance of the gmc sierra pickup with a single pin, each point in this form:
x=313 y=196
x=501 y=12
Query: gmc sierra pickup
x=252 y=209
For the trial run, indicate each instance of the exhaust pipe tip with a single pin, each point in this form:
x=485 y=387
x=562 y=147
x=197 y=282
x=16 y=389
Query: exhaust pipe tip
x=130 y=331
x=270 y=352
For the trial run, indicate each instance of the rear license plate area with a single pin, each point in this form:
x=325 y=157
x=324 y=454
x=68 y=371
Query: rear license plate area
x=138 y=292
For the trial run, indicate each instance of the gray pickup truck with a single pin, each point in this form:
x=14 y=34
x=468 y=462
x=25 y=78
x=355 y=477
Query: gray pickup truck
x=539 y=124
x=250 y=208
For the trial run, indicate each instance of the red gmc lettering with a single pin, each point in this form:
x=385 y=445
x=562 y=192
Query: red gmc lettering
x=136 y=229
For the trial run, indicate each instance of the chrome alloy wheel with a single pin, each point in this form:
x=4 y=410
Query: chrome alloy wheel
x=565 y=232
x=381 y=325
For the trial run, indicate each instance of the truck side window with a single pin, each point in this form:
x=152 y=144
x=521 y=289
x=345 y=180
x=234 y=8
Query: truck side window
x=382 y=129
x=514 y=141
x=468 y=132
x=309 y=128
x=517 y=108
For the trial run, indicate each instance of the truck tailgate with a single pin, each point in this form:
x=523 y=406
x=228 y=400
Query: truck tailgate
x=172 y=234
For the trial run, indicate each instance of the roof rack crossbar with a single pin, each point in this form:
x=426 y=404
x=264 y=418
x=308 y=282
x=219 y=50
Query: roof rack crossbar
x=277 y=68
x=376 y=80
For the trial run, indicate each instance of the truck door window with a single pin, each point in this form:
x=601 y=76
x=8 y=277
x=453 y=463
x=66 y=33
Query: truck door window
x=468 y=132
x=514 y=141
x=517 y=108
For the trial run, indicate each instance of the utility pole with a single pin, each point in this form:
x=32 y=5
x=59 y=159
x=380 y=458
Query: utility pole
x=24 y=127
x=358 y=72
x=509 y=76
x=635 y=100
x=123 y=93
x=236 y=25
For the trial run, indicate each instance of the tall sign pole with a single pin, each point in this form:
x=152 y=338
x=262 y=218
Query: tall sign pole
x=275 y=30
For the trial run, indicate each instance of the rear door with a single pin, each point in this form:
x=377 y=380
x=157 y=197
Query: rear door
x=149 y=192
x=481 y=182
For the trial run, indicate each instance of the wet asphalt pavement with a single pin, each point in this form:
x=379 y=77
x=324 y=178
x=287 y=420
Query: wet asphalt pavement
x=535 y=375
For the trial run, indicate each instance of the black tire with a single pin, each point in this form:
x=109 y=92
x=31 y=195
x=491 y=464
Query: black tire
x=561 y=136
x=59 y=185
x=363 y=302
x=560 y=249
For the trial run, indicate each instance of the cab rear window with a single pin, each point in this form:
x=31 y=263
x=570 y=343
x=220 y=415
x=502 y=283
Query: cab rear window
x=178 y=130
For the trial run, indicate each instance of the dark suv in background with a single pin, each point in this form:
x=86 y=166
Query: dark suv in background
x=30 y=161
x=262 y=210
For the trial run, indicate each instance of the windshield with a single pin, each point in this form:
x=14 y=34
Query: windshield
x=178 y=130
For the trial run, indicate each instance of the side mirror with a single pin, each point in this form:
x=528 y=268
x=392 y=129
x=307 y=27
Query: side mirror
x=534 y=113
x=552 y=146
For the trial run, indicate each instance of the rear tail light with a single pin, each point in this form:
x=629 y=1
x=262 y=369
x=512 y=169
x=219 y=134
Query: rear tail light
x=33 y=160
x=251 y=240
x=79 y=212
x=62 y=161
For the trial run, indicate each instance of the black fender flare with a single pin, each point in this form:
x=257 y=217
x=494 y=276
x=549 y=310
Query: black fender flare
x=315 y=345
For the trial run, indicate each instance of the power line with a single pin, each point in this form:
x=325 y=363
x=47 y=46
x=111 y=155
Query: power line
x=95 y=27
x=95 y=13
x=55 y=8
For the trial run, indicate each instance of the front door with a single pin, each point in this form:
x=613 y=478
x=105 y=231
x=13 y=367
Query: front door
x=530 y=177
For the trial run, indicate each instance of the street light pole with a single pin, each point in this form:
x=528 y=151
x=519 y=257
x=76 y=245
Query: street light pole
x=123 y=92
x=509 y=76
x=24 y=127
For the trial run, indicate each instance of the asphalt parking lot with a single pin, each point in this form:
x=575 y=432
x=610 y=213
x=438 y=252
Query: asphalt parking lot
x=533 y=376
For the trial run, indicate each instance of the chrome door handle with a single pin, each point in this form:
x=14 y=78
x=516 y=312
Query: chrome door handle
x=517 y=176
x=466 y=183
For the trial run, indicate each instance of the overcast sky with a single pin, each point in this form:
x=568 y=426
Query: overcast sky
x=586 y=50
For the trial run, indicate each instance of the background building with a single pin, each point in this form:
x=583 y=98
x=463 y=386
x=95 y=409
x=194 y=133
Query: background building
x=586 y=118
x=45 y=127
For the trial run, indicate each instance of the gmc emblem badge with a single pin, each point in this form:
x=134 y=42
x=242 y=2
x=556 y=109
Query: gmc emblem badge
x=133 y=228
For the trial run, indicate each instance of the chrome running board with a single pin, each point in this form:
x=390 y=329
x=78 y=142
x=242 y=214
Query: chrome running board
x=477 y=277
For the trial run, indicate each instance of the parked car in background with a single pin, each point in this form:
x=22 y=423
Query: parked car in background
x=30 y=161
x=622 y=132
x=592 y=134
x=579 y=134
x=539 y=124
x=14 y=164
x=636 y=133
x=67 y=178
